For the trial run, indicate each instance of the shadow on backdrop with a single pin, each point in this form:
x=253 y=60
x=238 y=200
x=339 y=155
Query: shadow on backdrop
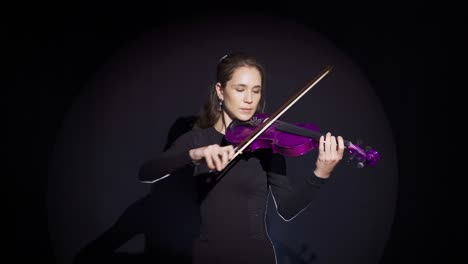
x=167 y=219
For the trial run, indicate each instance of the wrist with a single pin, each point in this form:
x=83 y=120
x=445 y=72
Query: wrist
x=193 y=157
x=321 y=174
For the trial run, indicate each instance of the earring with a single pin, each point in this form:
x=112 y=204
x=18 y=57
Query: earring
x=220 y=105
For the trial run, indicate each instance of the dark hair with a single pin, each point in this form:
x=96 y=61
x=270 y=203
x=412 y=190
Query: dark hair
x=224 y=71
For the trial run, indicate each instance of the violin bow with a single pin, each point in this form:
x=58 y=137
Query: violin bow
x=279 y=112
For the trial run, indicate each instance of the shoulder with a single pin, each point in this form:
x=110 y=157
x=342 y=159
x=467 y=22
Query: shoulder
x=200 y=132
x=200 y=136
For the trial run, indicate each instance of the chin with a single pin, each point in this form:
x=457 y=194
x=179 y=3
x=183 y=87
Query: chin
x=244 y=117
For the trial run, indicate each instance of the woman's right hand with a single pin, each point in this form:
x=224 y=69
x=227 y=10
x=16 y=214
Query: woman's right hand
x=216 y=157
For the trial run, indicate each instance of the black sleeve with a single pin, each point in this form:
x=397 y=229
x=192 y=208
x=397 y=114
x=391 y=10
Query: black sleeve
x=290 y=201
x=174 y=158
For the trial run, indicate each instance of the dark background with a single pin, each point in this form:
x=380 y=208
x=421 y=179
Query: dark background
x=405 y=57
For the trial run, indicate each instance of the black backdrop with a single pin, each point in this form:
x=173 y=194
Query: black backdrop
x=404 y=59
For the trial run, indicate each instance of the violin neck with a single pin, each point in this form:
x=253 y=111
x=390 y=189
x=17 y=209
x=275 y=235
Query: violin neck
x=295 y=130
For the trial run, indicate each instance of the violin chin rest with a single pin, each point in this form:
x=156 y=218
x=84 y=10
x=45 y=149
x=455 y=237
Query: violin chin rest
x=235 y=123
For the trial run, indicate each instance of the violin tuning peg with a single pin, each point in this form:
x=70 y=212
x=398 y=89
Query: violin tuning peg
x=351 y=156
x=360 y=165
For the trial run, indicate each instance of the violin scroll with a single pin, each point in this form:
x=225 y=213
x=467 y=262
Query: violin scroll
x=367 y=157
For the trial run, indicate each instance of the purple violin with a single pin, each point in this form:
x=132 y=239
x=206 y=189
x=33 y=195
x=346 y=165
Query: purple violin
x=263 y=131
x=291 y=139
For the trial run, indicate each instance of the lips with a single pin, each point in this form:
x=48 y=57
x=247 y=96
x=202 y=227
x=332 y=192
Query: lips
x=246 y=109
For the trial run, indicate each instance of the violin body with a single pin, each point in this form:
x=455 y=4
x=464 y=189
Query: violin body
x=291 y=139
x=286 y=144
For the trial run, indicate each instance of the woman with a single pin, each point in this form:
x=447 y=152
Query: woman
x=233 y=202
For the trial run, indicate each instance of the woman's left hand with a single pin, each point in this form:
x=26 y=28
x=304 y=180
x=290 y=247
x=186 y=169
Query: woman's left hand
x=331 y=150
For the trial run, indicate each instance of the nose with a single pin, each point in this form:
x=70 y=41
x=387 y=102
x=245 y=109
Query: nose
x=248 y=97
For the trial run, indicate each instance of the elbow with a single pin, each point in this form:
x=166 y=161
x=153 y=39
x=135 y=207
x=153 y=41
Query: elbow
x=284 y=214
x=141 y=172
x=144 y=173
x=288 y=215
x=148 y=173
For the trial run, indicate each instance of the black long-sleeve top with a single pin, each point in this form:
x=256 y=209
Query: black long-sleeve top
x=234 y=203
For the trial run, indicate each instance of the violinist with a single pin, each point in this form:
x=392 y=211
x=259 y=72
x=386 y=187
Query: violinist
x=233 y=209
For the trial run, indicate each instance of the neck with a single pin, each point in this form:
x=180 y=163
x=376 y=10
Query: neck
x=223 y=121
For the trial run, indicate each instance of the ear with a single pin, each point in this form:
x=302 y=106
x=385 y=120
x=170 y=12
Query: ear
x=219 y=91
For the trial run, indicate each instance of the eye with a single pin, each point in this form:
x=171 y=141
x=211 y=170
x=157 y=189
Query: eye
x=257 y=90
x=240 y=89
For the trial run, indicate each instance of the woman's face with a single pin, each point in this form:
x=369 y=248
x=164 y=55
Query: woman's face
x=242 y=93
